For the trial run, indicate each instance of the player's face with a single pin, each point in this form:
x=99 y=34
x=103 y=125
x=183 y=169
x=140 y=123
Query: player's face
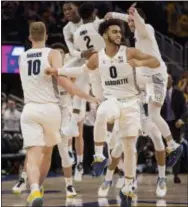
x=70 y=11
x=131 y=24
x=114 y=34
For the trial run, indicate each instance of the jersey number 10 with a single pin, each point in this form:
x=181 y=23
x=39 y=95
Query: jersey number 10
x=34 y=67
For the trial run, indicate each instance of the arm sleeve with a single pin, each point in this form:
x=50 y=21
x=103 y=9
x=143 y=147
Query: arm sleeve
x=68 y=39
x=143 y=29
x=123 y=17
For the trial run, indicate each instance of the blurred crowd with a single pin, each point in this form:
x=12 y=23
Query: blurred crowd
x=166 y=17
x=177 y=18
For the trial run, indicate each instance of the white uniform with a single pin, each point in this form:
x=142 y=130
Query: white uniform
x=41 y=116
x=87 y=37
x=119 y=85
x=156 y=79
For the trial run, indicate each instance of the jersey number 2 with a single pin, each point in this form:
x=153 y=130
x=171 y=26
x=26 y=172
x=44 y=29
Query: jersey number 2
x=88 y=40
x=34 y=67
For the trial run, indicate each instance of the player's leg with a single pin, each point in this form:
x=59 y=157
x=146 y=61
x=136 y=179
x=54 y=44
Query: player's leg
x=115 y=157
x=152 y=131
x=79 y=147
x=67 y=167
x=45 y=163
x=21 y=184
x=104 y=115
x=154 y=108
x=130 y=125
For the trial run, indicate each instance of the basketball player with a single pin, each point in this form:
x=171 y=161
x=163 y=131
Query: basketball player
x=85 y=37
x=156 y=80
x=41 y=116
x=117 y=69
x=70 y=10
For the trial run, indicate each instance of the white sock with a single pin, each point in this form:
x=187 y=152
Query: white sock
x=161 y=170
x=24 y=176
x=75 y=118
x=68 y=181
x=109 y=175
x=99 y=151
x=34 y=187
x=79 y=158
x=171 y=143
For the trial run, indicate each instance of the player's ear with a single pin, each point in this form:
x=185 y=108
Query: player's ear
x=46 y=37
x=30 y=39
x=105 y=36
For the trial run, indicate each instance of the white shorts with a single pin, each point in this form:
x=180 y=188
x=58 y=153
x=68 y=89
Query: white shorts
x=40 y=124
x=128 y=113
x=155 y=87
x=130 y=119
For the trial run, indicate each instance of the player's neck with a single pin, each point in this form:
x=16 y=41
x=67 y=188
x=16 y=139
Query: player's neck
x=38 y=45
x=88 y=20
x=76 y=20
x=111 y=50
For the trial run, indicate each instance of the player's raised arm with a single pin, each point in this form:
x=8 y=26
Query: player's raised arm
x=142 y=28
x=55 y=59
x=116 y=15
x=136 y=58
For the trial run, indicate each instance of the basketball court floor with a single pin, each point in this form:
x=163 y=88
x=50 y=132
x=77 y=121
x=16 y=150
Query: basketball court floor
x=177 y=195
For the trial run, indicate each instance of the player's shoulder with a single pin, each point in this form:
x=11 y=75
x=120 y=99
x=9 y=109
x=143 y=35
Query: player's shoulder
x=67 y=27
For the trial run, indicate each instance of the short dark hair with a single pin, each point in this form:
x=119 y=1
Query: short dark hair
x=106 y=24
x=76 y=3
x=59 y=45
x=86 y=10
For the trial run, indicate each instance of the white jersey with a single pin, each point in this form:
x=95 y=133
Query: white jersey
x=117 y=76
x=68 y=32
x=149 y=45
x=37 y=86
x=87 y=37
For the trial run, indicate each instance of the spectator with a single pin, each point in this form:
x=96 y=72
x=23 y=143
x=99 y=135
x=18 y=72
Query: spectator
x=183 y=85
x=173 y=112
x=11 y=118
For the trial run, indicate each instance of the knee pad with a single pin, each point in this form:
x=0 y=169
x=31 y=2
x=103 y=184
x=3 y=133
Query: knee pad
x=155 y=135
x=117 y=151
x=63 y=151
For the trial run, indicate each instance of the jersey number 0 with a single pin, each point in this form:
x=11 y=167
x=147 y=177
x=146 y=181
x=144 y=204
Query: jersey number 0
x=34 y=67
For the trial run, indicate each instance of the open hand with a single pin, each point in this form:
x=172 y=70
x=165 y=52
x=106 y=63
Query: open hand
x=108 y=16
x=135 y=63
x=87 y=53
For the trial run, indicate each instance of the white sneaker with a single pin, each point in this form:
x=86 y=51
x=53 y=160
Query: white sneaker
x=78 y=172
x=104 y=188
x=20 y=186
x=120 y=182
x=129 y=190
x=161 y=187
x=70 y=192
x=71 y=130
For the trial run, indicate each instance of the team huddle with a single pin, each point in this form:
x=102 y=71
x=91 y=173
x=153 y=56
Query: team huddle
x=121 y=80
